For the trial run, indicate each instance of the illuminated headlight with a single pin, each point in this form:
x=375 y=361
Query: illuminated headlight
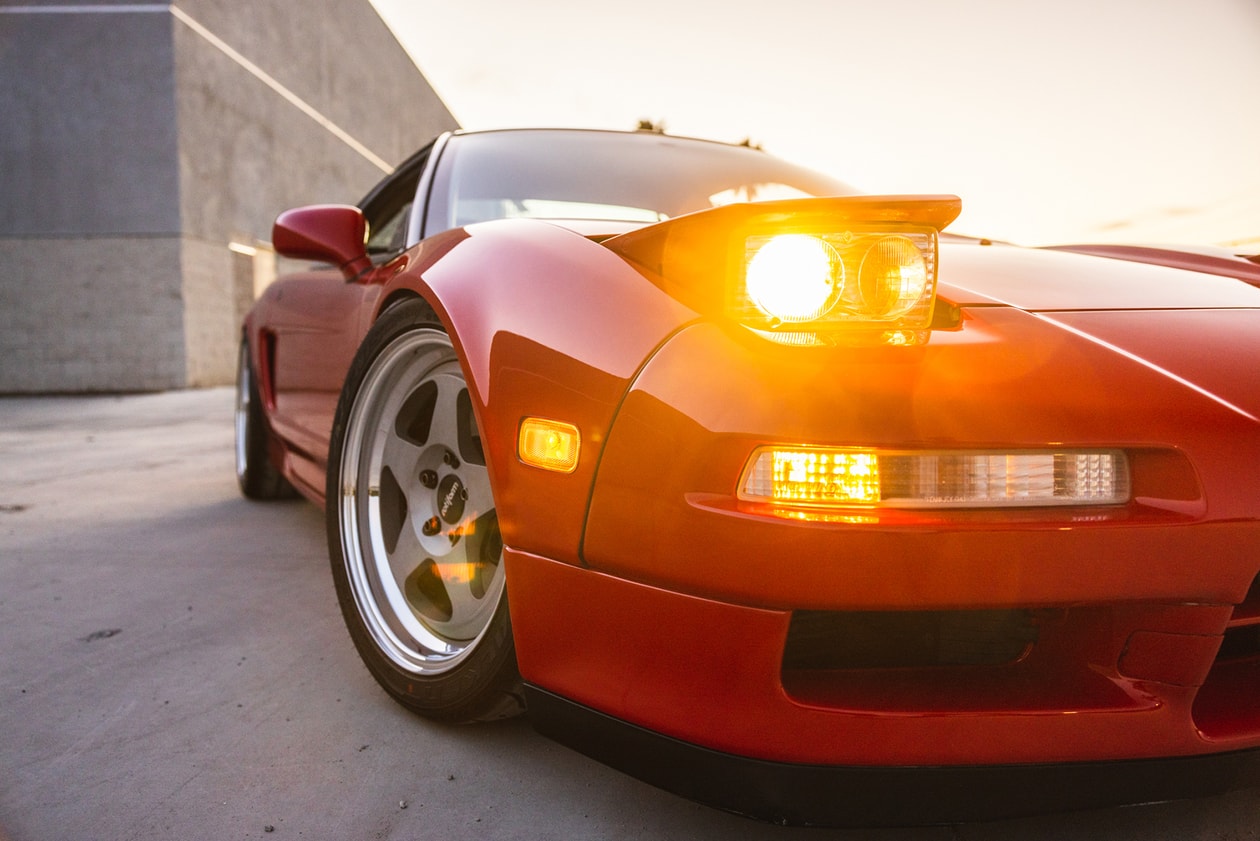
x=836 y=477
x=819 y=282
x=795 y=277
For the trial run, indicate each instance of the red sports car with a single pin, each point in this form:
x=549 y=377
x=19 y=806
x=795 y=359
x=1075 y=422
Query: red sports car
x=770 y=493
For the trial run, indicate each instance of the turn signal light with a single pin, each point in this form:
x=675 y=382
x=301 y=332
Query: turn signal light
x=548 y=444
x=841 y=477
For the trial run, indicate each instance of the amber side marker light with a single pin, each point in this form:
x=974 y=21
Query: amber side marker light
x=833 y=477
x=548 y=444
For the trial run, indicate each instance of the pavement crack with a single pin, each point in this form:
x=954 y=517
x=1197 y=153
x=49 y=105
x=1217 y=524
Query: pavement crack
x=101 y=635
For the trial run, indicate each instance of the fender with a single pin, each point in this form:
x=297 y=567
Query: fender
x=547 y=323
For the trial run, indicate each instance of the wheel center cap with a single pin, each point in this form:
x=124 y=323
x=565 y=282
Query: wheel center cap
x=451 y=496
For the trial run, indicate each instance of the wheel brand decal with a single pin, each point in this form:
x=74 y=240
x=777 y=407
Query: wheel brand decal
x=451 y=497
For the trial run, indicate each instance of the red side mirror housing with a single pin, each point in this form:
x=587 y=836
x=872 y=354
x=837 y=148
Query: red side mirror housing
x=329 y=233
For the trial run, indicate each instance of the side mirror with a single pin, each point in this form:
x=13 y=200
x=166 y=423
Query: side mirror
x=329 y=233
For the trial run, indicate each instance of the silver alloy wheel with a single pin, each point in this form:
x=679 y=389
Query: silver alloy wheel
x=243 y=387
x=417 y=522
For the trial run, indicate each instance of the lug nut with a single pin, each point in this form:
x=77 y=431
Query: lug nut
x=451 y=460
x=431 y=526
x=429 y=478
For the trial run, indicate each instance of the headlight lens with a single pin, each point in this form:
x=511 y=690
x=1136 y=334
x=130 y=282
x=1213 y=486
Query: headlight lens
x=843 y=477
x=893 y=277
x=794 y=277
x=813 y=287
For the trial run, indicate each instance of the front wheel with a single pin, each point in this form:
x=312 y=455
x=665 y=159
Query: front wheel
x=413 y=532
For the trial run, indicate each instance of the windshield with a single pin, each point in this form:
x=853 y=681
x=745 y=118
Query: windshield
x=607 y=176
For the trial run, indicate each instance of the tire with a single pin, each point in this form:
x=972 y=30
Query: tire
x=413 y=533
x=255 y=473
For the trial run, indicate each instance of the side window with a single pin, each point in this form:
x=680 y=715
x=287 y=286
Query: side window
x=387 y=236
x=388 y=207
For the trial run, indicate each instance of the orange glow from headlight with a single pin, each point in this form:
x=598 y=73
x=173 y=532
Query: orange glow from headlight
x=549 y=444
x=457 y=573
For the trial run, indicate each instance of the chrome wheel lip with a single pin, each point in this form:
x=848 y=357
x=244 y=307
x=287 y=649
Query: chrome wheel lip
x=241 y=416
x=412 y=643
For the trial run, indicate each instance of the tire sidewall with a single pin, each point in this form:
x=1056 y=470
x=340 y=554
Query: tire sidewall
x=257 y=477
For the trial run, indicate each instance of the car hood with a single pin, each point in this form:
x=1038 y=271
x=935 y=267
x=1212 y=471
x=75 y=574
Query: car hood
x=1041 y=280
x=1212 y=352
x=1199 y=330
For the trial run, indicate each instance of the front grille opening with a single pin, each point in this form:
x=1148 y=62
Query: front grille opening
x=935 y=661
x=907 y=639
x=1249 y=609
x=1228 y=703
x=1240 y=643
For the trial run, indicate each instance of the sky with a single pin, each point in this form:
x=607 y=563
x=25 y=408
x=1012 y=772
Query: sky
x=1069 y=120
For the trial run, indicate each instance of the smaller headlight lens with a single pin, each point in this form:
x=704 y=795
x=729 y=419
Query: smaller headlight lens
x=795 y=277
x=892 y=277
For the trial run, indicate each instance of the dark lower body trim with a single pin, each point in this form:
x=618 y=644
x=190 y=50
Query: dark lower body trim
x=827 y=795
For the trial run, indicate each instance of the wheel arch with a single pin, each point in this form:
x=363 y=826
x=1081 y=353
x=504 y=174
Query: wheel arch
x=398 y=296
x=546 y=323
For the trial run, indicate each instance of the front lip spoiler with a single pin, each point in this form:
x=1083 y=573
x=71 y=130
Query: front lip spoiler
x=857 y=796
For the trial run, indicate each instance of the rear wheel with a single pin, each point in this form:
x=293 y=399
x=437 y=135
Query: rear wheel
x=412 y=527
x=255 y=473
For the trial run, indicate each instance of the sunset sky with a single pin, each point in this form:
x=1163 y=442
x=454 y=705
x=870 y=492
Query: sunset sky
x=1125 y=120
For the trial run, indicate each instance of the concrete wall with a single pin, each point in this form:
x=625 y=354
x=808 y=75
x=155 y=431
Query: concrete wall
x=89 y=203
x=88 y=144
x=91 y=314
x=144 y=152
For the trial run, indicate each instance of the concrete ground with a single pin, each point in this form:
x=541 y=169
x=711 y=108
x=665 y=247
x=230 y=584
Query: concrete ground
x=173 y=666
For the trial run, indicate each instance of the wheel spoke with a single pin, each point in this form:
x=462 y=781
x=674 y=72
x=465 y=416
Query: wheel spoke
x=406 y=557
x=473 y=573
x=444 y=428
x=402 y=457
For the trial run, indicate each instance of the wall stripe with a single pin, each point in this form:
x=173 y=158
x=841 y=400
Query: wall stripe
x=131 y=8
x=288 y=95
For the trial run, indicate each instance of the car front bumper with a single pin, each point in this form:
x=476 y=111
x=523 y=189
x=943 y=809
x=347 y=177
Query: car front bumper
x=691 y=695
